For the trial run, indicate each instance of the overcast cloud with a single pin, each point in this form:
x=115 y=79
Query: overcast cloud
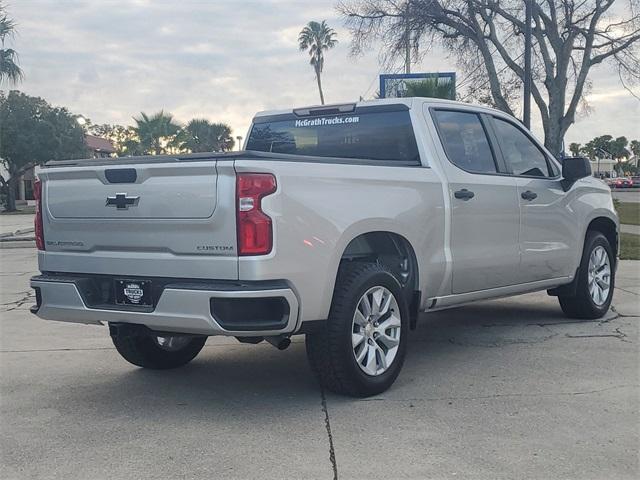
x=221 y=60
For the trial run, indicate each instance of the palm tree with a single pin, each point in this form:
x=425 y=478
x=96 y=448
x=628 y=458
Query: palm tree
x=9 y=68
x=574 y=148
x=156 y=132
x=430 y=87
x=317 y=37
x=200 y=135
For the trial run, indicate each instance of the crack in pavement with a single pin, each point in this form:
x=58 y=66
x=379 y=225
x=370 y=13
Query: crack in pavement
x=498 y=395
x=620 y=335
x=621 y=315
x=327 y=425
x=501 y=342
x=599 y=321
x=627 y=291
x=16 y=304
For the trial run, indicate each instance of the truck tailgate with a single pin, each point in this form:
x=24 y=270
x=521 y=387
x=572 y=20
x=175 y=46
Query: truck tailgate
x=139 y=219
x=167 y=191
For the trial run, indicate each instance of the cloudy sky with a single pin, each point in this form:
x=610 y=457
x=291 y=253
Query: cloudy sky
x=221 y=60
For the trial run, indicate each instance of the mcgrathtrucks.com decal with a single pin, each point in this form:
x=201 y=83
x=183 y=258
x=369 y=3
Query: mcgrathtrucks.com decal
x=322 y=121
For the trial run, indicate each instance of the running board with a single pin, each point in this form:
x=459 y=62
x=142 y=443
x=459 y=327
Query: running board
x=456 y=300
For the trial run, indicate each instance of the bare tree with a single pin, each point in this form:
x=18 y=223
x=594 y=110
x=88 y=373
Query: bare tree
x=487 y=38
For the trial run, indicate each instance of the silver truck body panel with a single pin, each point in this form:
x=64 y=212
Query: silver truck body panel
x=494 y=245
x=317 y=212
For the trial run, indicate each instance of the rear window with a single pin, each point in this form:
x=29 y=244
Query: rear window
x=384 y=136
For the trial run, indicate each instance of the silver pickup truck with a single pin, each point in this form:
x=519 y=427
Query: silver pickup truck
x=339 y=222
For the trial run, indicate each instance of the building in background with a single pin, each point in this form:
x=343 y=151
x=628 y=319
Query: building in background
x=99 y=147
x=603 y=166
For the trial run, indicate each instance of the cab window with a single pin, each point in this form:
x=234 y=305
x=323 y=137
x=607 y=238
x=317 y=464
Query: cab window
x=465 y=141
x=379 y=136
x=525 y=158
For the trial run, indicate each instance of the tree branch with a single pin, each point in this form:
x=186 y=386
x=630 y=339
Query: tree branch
x=622 y=46
x=517 y=69
x=569 y=117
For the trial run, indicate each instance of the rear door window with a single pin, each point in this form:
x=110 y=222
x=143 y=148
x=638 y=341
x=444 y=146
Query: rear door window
x=465 y=141
x=380 y=136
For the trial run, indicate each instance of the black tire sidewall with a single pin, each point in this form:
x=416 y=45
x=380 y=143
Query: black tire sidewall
x=595 y=240
x=368 y=384
x=143 y=351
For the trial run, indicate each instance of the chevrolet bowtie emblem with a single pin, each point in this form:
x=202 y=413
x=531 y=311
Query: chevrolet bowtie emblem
x=122 y=202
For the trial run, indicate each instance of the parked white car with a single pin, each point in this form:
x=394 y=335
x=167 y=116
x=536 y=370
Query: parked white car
x=341 y=222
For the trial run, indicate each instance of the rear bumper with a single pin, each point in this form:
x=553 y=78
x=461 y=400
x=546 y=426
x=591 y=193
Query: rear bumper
x=204 y=308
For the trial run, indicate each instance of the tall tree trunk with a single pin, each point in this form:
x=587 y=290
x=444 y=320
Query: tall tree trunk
x=553 y=138
x=12 y=185
x=319 y=85
x=557 y=124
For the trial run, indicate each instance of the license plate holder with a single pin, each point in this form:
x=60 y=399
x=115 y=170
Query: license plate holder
x=133 y=292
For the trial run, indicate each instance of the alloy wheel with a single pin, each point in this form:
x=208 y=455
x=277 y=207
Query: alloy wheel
x=375 y=334
x=172 y=343
x=599 y=275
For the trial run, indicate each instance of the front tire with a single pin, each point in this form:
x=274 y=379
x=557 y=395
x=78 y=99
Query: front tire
x=361 y=350
x=595 y=282
x=157 y=352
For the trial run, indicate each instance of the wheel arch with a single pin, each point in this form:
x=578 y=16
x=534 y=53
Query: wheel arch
x=394 y=251
x=609 y=229
x=604 y=224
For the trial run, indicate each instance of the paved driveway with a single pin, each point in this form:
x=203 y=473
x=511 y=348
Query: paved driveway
x=502 y=389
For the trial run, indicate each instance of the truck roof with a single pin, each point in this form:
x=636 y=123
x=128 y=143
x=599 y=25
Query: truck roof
x=336 y=107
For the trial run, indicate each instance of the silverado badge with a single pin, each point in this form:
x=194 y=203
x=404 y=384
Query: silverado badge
x=122 y=202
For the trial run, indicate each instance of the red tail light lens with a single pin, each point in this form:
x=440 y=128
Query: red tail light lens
x=39 y=231
x=255 y=230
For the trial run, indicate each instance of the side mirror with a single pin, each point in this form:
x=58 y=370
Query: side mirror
x=575 y=168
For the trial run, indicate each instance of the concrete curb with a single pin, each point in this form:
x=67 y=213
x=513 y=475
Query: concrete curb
x=27 y=242
x=21 y=238
x=633 y=229
x=18 y=233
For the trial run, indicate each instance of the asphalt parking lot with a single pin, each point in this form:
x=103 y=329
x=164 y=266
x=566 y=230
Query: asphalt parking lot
x=501 y=389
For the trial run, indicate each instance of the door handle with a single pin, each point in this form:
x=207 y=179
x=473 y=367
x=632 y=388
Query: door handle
x=464 y=194
x=529 y=195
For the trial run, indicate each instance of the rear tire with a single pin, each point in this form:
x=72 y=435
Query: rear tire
x=358 y=354
x=594 y=286
x=158 y=352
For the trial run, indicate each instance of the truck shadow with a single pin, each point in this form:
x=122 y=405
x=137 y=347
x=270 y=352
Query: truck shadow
x=497 y=318
x=247 y=380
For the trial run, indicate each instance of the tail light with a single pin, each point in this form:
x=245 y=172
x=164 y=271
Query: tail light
x=255 y=229
x=39 y=231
